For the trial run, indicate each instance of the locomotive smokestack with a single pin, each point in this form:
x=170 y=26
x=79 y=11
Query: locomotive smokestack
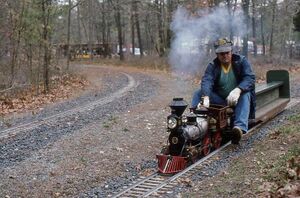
x=178 y=105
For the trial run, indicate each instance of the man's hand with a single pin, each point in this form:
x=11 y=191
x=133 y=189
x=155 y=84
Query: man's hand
x=205 y=102
x=233 y=96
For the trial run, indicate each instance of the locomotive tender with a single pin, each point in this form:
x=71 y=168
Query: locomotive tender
x=195 y=134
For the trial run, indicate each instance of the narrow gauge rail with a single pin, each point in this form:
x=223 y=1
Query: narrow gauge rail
x=157 y=184
x=272 y=98
x=51 y=119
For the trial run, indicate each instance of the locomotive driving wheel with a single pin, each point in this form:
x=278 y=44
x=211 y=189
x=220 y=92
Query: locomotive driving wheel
x=206 y=145
x=217 y=139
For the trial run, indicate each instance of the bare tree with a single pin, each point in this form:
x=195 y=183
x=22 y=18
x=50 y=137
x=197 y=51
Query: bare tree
x=138 y=30
x=16 y=20
x=70 y=8
x=117 y=14
x=245 y=4
x=254 y=27
x=32 y=28
x=262 y=33
x=132 y=17
x=46 y=13
x=160 y=28
x=273 y=6
x=68 y=33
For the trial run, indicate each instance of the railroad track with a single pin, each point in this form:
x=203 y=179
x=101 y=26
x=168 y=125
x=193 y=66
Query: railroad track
x=90 y=106
x=157 y=185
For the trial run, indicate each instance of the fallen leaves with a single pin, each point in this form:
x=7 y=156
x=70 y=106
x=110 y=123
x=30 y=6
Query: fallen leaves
x=294 y=69
x=291 y=173
x=147 y=172
x=186 y=181
x=267 y=187
x=289 y=190
x=62 y=87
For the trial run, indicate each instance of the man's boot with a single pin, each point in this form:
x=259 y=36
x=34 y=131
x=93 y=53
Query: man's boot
x=236 y=135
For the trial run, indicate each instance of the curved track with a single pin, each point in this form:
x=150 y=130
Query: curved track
x=31 y=125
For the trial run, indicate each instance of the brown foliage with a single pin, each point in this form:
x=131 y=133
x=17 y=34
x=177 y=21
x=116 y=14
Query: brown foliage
x=62 y=88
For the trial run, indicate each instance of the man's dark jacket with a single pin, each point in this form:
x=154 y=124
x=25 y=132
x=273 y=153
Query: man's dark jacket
x=243 y=73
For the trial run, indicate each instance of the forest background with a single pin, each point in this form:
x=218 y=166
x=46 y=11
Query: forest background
x=39 y=38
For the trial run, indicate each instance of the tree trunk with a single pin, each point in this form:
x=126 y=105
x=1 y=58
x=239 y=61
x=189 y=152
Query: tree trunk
x=230 y=19
x=132 y=27
x=120 y=31
x=29 y=59
x=45 y=36
x=79 y=28
x=262 y=34
x=104 y=27
x=138 y=29
x=262 y=11
x=245 y=38
x=169 y=20
x=274 y=3
x=68 y=34
x=108 y=49
x=90 y=30
x=150 y=34
x=160 y=28
x=254 y=27
x=17 y=23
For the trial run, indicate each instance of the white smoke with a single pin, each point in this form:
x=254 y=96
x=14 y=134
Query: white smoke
x=193 y=34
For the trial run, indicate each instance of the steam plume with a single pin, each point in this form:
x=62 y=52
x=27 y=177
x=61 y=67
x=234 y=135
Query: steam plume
x=193 y=36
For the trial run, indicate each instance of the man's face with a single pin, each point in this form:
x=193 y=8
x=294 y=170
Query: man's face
x=225 y=57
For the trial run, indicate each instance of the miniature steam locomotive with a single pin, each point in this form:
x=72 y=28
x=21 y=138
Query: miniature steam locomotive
x=193 y=135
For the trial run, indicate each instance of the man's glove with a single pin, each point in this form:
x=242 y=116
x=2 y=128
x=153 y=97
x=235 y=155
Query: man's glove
x=205 y=102
x=233 y=96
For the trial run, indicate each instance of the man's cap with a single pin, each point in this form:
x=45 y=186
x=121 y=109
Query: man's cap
x=223 y=45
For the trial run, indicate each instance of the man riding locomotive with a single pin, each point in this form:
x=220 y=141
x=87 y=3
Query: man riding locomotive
x=229 y=80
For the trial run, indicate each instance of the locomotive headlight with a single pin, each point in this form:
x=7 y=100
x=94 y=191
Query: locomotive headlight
x=172 y=123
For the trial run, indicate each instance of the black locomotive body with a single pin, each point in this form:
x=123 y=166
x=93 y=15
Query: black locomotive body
x=193 y=135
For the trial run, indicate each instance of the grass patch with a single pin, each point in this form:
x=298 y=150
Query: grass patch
x=285 y=169
x=294 y=118
x=291 y=127
x=112 y=120
x=281 y=171
x=83 y=160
